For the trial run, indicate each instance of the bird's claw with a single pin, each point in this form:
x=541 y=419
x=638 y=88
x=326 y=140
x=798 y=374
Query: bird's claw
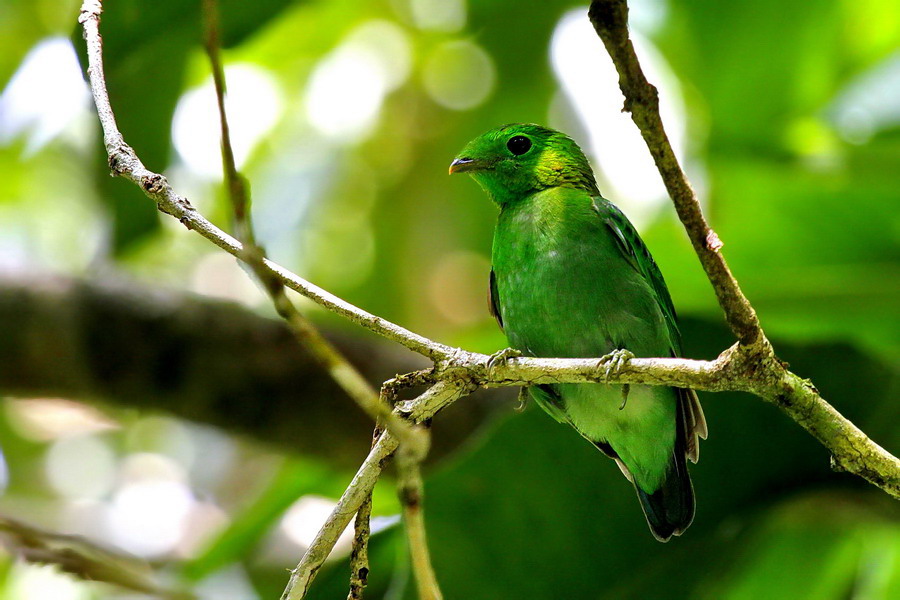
x=501 y=357
x=522 y=400
x=625 y=389
x=615 y=361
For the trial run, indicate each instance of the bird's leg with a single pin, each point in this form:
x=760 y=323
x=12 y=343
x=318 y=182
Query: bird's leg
x=501 y=357
x=615 y=361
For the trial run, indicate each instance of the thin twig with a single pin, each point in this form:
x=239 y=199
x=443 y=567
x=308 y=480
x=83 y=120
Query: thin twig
x=82 y=558
x=235 y=181
x=610 y=20
x=414 y=442
x=439 y=396
x=324 y=352
x=410 y=489
x=359 y=555
x=356 y=493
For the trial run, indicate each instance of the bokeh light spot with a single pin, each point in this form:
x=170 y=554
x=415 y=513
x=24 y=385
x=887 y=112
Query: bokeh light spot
x=870 y=103
x=81 y=467
x=45 y=419
x=149 y=512
x=615 y=142
x=347 y=87
x=220 y=276
x=37 y=582
x=253 y=103
x=458 y=287
x=388 y=45
x=439 y=15
x=459 y=75
x=44 y=96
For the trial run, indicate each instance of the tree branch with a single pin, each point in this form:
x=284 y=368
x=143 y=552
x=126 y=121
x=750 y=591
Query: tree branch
x=761 y=370
x=359 y=555
x=610 y=20
x=438 y=397
x=124 y=344
x=79 y=557
x=326 y=354
x=411 y=490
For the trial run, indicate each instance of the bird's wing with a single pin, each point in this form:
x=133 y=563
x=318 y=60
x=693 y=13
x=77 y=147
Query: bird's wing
x=494 y=300
x=637 y=255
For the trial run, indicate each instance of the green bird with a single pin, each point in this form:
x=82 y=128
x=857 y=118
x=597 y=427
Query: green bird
x=571 y=278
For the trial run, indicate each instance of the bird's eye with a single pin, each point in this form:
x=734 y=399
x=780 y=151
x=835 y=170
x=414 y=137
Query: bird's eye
x=519 y=145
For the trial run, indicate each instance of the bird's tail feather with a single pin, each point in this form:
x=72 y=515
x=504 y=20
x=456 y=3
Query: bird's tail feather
x=670 y=509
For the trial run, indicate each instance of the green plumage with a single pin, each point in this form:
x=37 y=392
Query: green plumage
x=572 y=278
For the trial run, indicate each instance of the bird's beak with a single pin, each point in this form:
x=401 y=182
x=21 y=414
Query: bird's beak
x=464 y=164
x=461 y=165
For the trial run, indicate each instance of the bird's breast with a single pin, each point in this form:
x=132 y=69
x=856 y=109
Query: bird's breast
x=565 y=290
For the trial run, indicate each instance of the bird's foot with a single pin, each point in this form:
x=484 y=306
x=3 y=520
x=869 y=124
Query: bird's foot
x=501 y=357
x=522 y=400
x=615 y=361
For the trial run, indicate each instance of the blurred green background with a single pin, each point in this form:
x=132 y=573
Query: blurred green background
x=128 y=418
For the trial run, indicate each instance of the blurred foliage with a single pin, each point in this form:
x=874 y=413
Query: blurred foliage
x=796 y=147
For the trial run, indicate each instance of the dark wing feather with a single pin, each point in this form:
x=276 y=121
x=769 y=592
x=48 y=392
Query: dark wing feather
x=494 y=300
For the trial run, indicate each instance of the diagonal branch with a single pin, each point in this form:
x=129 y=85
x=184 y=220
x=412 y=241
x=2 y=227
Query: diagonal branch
x=82 y=558
x=410 y=488
x=439 y=396
x=324 y=352
x=765 y=375
x=610 y=20
x=123 y=162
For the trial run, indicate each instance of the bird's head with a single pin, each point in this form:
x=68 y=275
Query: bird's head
x=515 y=160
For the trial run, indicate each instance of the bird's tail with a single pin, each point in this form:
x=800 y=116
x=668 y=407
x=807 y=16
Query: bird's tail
x=670 y=509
